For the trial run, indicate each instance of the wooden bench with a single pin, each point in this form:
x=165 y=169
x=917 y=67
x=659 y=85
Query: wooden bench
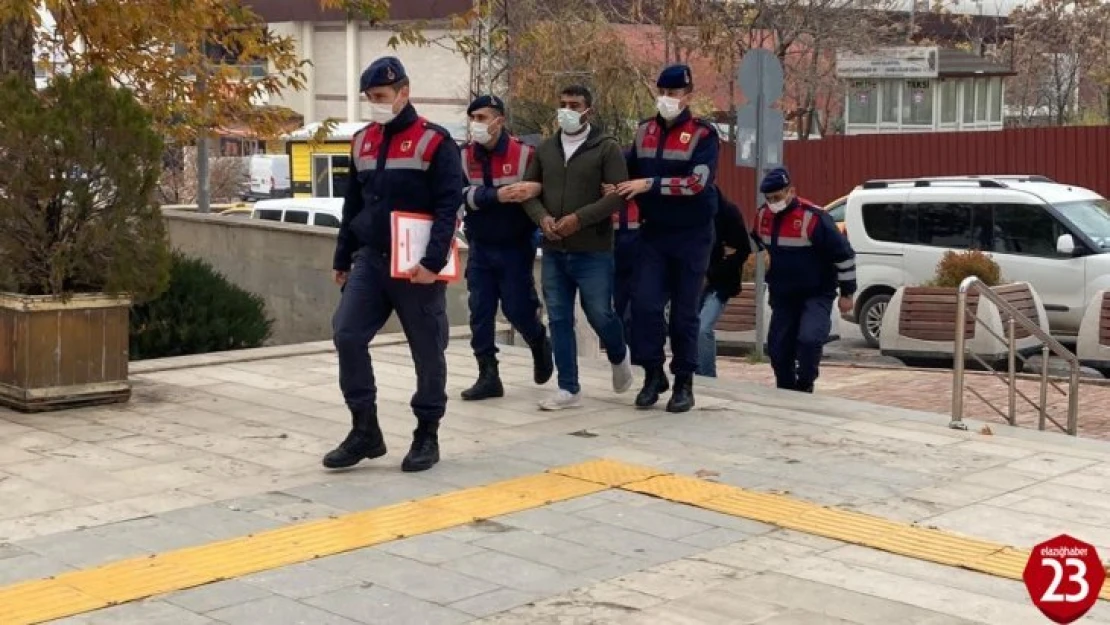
x=739 y=313
x=1020 y=296
x=929 y=314
x=1104 y=323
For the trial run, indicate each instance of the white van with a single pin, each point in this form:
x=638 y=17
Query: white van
x=315 y=211
x=269 y=177
x=1054 y=236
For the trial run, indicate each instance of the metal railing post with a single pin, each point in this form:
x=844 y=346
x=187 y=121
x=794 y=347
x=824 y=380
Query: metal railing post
x=1073 y=400
x=1045 y=355
x=958 y=358
x=1012 y=370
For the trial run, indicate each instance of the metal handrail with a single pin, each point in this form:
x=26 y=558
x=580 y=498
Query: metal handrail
x=1013 y=316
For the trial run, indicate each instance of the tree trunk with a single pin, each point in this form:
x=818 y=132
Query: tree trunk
x=17 y=49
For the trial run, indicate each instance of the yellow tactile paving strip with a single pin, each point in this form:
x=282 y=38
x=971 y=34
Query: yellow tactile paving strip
x=91 y=589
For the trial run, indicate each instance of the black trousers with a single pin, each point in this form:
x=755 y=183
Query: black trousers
x=369 y=298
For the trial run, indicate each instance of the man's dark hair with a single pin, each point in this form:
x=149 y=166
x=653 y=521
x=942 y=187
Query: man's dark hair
x=579 y=91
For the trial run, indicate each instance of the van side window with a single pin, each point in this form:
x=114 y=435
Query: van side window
x=269 y=214
x=881 y=221
x=893 y=223
x=296 y=217
x=945 y=225
x=1025 y=229
x=324 y=219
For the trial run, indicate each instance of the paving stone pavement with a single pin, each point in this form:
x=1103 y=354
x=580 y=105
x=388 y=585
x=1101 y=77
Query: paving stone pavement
x=225 y=449
x=931 y=390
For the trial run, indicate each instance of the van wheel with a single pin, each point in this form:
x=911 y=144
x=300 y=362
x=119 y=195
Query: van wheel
x=871 y=317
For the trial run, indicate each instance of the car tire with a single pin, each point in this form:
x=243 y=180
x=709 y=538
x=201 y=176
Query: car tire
x=871 y=317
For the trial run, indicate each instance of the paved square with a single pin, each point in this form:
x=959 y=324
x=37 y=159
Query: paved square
x=231 y=448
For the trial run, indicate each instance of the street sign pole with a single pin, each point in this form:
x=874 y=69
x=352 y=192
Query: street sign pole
x=759 y=146
x=760 y=270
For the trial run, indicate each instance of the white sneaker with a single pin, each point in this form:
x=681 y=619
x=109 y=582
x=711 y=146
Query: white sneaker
x=560 y=400
x=622 y=373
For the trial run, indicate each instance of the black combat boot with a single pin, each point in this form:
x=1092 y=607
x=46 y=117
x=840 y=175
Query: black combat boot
x=364 y=442
x=489 y=381
x=424 y=452
x=655 y=382
x=682 y=399
x=542 y=364
x=804 y=387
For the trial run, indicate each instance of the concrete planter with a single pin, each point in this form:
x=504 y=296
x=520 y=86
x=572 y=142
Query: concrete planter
x=60 y=354
x=919 y=325
x=1093 y=343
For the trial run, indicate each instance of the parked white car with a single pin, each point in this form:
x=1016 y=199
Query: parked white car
x=1052 y=235
x=316 y=211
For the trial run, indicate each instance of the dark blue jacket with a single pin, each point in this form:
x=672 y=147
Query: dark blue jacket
x=681 y=160
x=487 y=219
x=808 y=255
x=409 y=165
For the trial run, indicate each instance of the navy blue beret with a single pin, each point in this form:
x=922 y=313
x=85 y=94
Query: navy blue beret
x=675 y=77
x=486 y=101
x=775 y=180
x=383 y=72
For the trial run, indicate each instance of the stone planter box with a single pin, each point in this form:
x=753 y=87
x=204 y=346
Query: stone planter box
x=56 y=354
x=1093 y=343
x=737 y=323
x=919 y=326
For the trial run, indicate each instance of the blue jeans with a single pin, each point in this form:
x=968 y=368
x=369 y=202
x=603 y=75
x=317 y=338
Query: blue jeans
x=590 y=274
x=711 y=309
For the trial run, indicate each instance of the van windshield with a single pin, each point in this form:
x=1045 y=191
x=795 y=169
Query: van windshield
x=1092 y=217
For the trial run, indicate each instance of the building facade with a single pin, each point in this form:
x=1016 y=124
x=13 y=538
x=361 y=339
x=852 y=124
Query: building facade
x=339 y=50
x=921 y=89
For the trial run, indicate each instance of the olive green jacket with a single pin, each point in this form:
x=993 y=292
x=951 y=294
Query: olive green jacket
x=574 y=186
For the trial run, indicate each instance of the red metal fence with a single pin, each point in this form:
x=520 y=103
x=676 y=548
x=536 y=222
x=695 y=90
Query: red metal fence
x=826 y=169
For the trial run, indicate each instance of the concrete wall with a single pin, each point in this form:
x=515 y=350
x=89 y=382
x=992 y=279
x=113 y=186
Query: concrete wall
x=289 y=266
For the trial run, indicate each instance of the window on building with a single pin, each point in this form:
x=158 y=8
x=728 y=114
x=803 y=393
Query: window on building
x=917 y=103
x=863 y=102
x=326 y=220
x=949 y=101
x=981 y=100
x=1025 y=229
x=968 y=89
x=891 y=90
x=996 y=99
x=329 y=174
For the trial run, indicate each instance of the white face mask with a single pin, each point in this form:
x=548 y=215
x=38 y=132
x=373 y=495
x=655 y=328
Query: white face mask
x=570 y=121
x=381 y=113
x=778 y=207
x=668 y=107
x=479 y=131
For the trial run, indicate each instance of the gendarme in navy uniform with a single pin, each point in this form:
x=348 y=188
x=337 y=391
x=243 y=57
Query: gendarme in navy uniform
x=501 y=246
x=671 y=169
x=809 y=261
x=400 y=162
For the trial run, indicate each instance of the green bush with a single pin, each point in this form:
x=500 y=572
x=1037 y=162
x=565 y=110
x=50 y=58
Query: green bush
x=77 y=210
x=200 y=312
x=954 y=267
